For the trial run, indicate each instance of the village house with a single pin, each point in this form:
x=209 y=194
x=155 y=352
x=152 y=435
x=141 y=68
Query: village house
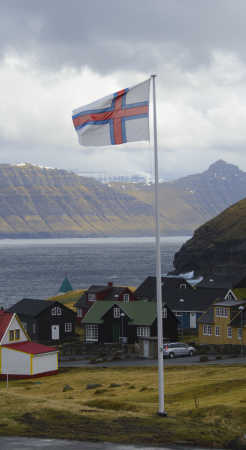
x=187 y=302
x=116 y=321
x=44 y=320
x=224 y=323
x=19 y=357
x=102 y=292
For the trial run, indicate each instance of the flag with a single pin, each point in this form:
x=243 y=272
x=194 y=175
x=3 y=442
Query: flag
x=115 y=119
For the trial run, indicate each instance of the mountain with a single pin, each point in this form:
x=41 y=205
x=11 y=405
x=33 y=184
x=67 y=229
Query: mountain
x=218 y=248
x=215 y=189
x=188 y=202
x=45 y=202
x=37 y=202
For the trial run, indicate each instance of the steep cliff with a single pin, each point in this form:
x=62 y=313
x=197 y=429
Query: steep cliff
x=218 y=246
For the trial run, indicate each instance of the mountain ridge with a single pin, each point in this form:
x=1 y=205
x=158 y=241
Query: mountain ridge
x=46 y=202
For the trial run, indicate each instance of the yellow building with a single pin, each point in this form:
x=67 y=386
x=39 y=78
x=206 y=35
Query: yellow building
x=224 y=323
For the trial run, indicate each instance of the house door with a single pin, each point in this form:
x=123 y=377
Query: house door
x=55 y=332
x=116 y=332
x=192 y=320
x=146 y=348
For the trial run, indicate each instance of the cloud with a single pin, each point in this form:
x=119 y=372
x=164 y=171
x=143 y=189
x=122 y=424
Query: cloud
x=56 y=56
x=110 y=35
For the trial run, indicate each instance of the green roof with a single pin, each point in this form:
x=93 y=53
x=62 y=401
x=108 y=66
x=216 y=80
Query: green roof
x=65 y=286
x=139 y=312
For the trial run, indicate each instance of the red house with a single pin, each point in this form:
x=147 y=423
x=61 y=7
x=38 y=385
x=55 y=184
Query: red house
x=107 y=292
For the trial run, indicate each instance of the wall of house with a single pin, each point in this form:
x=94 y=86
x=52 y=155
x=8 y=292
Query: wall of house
x=44 y=363
x=113 y=328
x=223 y=338
x=14 y=325
x=15 y=363
x=45 y=320
x=170 y=330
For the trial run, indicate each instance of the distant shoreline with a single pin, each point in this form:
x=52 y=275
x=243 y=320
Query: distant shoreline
x=92 y=240
x=17 y=236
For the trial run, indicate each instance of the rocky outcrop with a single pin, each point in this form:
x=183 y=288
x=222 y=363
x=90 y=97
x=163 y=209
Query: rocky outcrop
x=217 y=247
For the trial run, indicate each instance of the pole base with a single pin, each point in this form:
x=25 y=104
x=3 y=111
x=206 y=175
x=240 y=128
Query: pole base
x=162 y=414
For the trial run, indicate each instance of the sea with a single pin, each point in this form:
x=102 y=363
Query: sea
x=35 y=268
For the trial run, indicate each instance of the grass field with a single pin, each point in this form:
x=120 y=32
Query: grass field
x=206 y=406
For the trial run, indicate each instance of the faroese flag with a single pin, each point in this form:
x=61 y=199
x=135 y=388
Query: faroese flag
x=115 y=119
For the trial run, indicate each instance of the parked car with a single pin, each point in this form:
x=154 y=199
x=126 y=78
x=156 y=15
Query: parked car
x=173 y=349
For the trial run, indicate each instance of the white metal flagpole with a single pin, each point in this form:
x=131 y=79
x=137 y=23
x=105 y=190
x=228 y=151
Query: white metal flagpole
x=161 y=411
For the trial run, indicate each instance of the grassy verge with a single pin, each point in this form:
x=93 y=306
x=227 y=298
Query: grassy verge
x=68 y=299
x=206 y=406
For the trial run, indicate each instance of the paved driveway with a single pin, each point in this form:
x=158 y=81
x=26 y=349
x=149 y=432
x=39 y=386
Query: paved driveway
x=17 y=443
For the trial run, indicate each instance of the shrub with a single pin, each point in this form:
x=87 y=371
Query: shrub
x=93 y=385
x=67 y=388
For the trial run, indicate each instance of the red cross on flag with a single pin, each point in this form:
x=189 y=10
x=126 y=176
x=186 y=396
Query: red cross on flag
x=115 y=119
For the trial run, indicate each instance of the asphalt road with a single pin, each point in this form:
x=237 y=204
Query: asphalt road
x=17 y=443
x=193 y=360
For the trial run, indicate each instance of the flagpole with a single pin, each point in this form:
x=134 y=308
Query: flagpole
x=161 y=411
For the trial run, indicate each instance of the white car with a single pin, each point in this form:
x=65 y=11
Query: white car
x=173 y=349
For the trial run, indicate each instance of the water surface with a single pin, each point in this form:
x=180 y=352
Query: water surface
x=35 y=268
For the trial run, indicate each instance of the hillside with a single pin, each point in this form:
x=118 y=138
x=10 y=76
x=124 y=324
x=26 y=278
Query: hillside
x=39 y=202
x=218 y=246
x=218 y=187
x=196 y=198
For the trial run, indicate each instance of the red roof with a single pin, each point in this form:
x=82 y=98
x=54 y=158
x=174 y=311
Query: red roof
x=5 y=318
x=31 y=347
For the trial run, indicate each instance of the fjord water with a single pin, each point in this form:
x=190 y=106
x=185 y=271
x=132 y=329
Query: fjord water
x=35 y=268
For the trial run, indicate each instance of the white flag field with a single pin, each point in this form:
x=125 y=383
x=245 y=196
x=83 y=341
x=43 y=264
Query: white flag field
x=116 y=119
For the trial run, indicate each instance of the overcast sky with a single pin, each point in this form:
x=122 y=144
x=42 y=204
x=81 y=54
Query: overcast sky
x=57 y=55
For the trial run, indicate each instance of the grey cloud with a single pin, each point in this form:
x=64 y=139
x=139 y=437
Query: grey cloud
x=110 y=35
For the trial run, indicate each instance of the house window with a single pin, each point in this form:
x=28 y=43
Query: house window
x=164 y=313
x=11 y=335
x=91 y=297
x=126 y=298
x=217 y=331
x=116 y=312
x=207 y=330
x=91 y=333
x=68 y=327
x=17 y=335
x=34 y=328
x=221 y=311
x=182 y=286
x=229 y=332
x=79 y=312
x=56 y=311
x=14 y=335
x=24 y=325
x=143 y=331
x=230 y=296
x=239 y=333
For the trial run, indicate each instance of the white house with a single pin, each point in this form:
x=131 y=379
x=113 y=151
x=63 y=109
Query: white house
x=19 y=357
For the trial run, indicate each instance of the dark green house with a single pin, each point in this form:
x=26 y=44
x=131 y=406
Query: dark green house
x=110 y=321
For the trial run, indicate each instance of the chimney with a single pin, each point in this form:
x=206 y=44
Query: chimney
x=110 y=284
